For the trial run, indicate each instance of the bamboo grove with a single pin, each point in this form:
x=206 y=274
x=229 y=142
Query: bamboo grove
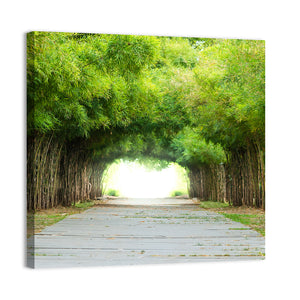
x=94 y=98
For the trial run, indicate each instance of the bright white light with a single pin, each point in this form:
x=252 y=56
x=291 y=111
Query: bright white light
x=134 y=181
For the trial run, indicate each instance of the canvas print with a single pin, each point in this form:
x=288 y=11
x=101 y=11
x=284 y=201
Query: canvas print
x=144 y=149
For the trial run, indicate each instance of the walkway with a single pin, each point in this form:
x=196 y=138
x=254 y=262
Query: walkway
x=144 y=231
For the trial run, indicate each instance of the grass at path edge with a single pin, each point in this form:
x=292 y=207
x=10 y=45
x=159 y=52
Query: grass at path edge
x=38 y=220
x=249 y=216
x=252 y=217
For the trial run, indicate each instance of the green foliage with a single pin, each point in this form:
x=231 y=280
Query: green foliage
x=193 y=150
x=84 y=205
x=129 y=54
x=156 y=99
x=178 y=52
x=78 y=86
x=177 y=193
x=131 y=94
x=213 y=204
x=62 y=91
x=202 y=43
x=112 y=192
x=230 y=104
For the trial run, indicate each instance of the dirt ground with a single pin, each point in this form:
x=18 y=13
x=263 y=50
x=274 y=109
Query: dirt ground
x=238 y=210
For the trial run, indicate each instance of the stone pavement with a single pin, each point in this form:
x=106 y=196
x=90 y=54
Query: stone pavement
x=143 y=231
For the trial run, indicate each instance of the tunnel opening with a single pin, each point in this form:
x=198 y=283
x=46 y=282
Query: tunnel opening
x=134 y=179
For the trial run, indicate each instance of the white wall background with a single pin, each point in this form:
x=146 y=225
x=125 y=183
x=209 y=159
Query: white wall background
x=275 y=21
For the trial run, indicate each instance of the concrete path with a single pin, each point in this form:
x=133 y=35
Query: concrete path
x=143 y=231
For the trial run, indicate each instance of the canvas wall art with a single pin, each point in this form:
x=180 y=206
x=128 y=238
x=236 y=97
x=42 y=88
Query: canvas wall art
x=144 y=149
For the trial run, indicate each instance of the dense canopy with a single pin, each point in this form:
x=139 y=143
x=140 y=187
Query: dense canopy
x=93 y=98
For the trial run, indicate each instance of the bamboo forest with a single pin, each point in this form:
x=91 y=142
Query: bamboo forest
x=95 y=98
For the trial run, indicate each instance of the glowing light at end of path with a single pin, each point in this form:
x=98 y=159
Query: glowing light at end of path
x=134 y=181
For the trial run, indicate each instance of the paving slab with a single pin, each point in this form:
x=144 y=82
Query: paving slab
x=143 y=231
